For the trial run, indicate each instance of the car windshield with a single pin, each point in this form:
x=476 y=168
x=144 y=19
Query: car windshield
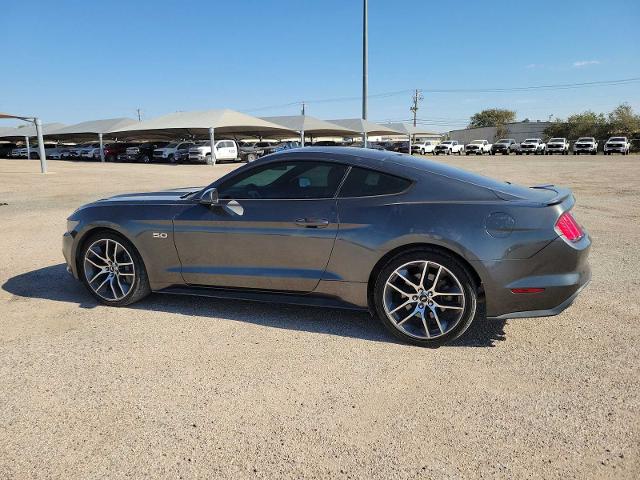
x=504 y=141
x=477 y=142
x=173 y=145
x=557 y=140
x=447 y=143
x=617 y=139
x=263 y=144
x=585 y=139
x=530 y=140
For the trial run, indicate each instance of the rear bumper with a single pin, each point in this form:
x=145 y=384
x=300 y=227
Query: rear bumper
x=561 y=269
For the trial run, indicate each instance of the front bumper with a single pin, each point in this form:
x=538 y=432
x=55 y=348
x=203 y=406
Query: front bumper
x=615 y=149
x=561 y=269
x=67 y=252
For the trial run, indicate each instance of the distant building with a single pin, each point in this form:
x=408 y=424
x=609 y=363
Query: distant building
x=516 y=130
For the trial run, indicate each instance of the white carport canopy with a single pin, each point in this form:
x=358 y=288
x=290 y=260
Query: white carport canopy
x=89 y=130
x=29 y=130
x=409 y=130
x=365 y=127
x=37 y=126
x=304 y=124
x=204 y=122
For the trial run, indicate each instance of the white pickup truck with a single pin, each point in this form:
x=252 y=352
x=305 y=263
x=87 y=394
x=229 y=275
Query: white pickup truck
x=477 y=147
x=225 y=150
x=533 y=145
x=448 y=147
x=585 y=145
x=617 y=145
x=558 y=145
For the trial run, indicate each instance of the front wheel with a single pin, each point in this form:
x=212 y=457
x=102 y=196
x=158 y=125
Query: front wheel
x=251 y=157
x=112 y=270
x=145 y=159
x=425 y=297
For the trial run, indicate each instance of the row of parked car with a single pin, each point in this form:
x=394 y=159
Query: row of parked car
x=229 y=150
x=531 y=146
x=163 y=151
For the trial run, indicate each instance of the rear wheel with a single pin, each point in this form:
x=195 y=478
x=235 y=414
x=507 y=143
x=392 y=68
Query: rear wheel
x=425 y=297
x=145 y=159
x=251 y=157
x=112 y=270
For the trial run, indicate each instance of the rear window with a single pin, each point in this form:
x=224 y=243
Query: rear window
x=362 y=182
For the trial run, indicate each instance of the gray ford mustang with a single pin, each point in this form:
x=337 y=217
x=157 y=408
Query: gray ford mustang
x=419 y=244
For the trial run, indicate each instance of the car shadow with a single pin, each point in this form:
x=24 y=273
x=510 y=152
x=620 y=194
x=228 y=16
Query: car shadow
x=54 y=283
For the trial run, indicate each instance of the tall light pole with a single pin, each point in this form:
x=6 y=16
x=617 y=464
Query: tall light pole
x=365 y=62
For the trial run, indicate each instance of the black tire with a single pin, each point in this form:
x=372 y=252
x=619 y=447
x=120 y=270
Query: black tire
x=140 y=287
x=145 y=159
x=450 y=263
x=171 y=158
x=251 y=157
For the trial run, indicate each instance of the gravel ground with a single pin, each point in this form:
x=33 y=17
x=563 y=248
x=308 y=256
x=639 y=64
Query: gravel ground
x=179 y=387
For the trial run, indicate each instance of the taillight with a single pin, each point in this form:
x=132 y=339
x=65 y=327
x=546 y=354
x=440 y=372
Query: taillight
x=569 y=228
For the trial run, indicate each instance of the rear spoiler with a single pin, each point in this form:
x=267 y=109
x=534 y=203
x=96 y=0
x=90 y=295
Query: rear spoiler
x=561 y=194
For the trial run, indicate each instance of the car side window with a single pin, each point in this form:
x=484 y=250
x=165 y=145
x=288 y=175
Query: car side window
x=285 y=180
x=362 y=182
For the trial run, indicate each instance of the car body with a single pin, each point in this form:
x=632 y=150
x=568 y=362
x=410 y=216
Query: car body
x=617 y=145
x=328 y=143
x=449 y=147
x=587 y=145
x=181 y=155
x=114 y=149
x=343 y=227
x=34 y=150
x=168 y=152
x=285 y=146
x=532 y=146
x=477 y=147
x=504 y=146
x=558 y=145
x=6 y=148
x=225 y=150
x=423 y=146
x=142 y=152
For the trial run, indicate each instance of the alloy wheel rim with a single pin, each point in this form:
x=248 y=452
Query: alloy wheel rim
x=423 y=299
x=109 y=269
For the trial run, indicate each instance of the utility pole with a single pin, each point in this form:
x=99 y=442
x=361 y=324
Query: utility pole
x=417 y=97
x=365 y=57
x=139 y=114
x=302 y=131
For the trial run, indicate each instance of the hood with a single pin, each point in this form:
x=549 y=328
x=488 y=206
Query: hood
x=150 y=198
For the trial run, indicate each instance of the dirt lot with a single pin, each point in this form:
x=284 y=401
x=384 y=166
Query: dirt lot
x=189 y=387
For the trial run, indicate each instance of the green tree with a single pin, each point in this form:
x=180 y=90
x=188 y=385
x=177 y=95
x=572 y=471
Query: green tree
x=493 y=117
x=586 y=124
x=623 y=121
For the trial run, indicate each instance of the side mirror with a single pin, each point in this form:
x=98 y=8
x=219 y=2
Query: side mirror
x=210 y=197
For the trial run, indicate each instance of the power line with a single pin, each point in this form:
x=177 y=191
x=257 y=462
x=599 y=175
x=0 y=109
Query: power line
x=549 y=87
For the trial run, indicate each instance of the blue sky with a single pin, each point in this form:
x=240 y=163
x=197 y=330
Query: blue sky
x=71 y=61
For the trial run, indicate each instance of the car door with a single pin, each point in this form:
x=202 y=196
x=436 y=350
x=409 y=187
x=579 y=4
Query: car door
x=274 y=228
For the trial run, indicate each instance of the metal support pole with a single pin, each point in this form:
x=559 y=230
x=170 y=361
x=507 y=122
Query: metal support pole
x=101 y=147
x=26 y=139
x=365 y=57
x=364 y=139
x=409 y=144
x=302 y=138
x=43 y=154
x=212 y=139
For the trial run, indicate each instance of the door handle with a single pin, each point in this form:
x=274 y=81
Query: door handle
x=312 y=222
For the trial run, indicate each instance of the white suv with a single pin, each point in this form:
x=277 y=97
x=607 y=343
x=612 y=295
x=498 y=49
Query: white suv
x=168 y=152
x=225 y=150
